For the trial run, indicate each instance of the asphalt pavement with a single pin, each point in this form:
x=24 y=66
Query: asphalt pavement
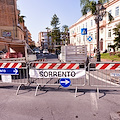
x=53 y=103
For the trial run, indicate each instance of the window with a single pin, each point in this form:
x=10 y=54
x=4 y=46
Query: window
x=73 y=32
x=95 y=35
x=110 y=14
x=109 y=49
x=79 y=29
x=83 y=25
x=117 y=11
x=74 y=29
x=91 y=34
x=83 y=38
x=101 y=30
x=110 y=11
x=109 y=33
x=86 y=24
x=21 y=37
x=79 y=40
x=91 y=23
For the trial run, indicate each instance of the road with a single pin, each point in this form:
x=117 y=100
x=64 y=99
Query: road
x=52 y=103
x=47 y=56
x=58 y=103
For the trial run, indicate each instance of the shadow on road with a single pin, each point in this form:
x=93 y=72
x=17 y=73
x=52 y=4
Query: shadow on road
x=46 y=89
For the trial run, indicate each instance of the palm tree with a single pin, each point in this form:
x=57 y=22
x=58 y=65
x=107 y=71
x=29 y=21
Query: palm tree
x=21 y=19
x=65 y=33
x=88 y=5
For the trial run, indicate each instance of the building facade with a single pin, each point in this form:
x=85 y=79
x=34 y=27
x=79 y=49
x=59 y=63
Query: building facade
x=44 y=41
x=9 y=25
x=12 y=23
x=106 y=28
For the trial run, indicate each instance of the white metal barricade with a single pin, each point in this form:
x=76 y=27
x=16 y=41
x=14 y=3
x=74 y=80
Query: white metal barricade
x=104 y=74
x=14 y=73
x=43 y=73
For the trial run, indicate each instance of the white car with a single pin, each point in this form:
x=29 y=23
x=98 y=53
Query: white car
x=45 y=51
x=60 y=56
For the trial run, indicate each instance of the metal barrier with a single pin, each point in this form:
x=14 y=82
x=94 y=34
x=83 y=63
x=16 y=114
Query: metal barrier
x=104 y=74
x=100 y=74
x=14 y=72
x=43 y=73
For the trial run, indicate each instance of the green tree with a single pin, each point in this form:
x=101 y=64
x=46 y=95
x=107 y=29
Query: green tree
x=65 y=33
x=55 y=21
x=116 y=31
x=21 y=18
x=55 y=33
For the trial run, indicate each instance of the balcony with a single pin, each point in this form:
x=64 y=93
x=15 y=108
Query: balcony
x=102 y=24
x=74 y=34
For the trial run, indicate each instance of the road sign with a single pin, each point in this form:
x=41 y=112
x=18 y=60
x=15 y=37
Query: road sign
x=89 y=38
x=11 y=71
x=115 y=74
x=83 y=31
x=65 y=82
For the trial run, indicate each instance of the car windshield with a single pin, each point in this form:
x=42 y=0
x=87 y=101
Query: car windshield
x=1 y=52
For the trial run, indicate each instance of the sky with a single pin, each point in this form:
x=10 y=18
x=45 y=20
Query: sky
x=39 y=13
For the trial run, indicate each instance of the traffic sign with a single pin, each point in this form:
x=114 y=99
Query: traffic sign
x=89 y=38
x=115 y=74
x=65 y=82
x=83 y=31
x=11 y=71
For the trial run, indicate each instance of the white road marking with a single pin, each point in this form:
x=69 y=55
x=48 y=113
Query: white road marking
x=94 y=104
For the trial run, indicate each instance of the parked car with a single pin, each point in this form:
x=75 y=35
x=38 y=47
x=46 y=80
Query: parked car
x=2 y=54
x=45 y=51
x=37 y=51
x=60 y=57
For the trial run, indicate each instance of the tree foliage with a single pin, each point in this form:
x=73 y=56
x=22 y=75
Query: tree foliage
x=116 y=31
x=55 y=33
x=90 y=5
x=55 y=21
x=21 y=18
x=65 y=33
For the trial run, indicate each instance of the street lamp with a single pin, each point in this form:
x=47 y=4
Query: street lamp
x=99 y=13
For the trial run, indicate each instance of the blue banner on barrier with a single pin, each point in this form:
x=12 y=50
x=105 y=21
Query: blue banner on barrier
x=10 y=71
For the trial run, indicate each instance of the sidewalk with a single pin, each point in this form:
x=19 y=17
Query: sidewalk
x=102 y=60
